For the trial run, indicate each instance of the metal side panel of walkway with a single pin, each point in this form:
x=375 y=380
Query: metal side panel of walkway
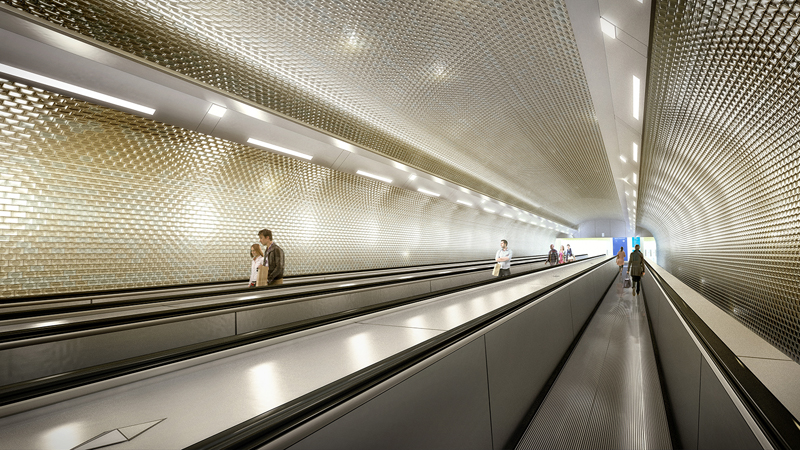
x=608 y=395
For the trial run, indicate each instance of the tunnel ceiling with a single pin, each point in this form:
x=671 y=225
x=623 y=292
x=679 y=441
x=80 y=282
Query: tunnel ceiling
x=489 y=95
x=720 y=183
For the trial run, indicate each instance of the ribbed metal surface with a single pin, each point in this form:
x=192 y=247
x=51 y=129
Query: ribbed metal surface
x=489 y=95
x=721 y=157
x=608 y=394
x=92 y=198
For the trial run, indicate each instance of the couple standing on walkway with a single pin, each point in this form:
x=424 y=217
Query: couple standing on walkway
x=635 y=266
x=266 y=270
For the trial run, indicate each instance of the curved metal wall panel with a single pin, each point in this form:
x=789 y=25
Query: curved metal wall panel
x=721 y=158
x=92 y=198
x=489 y=95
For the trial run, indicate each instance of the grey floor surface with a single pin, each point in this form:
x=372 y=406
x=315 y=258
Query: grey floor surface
x=608 y=395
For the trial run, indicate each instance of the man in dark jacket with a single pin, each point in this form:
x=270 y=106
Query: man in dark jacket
x=636 y=268
x=273 y=258
x=552 y=257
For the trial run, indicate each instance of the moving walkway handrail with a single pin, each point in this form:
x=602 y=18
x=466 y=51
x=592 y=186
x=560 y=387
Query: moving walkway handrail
x=259 y=430
x=180 y=287
x=777 y=422
x=187 y=294
x=39 y=387
x=180 y=313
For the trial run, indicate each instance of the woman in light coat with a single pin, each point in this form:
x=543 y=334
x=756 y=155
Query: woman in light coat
x=636 y=269
x=258 y=258
x=620 y=259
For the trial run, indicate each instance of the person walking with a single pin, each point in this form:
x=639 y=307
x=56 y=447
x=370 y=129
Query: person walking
x=552 y=257
x=570 y=257
x=561 y=257
x=621 y=259
x=274 y=258
x=636 y=269
x=503 y=256
x=258 y=261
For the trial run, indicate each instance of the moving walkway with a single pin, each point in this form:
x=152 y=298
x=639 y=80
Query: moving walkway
x=49 y=353
x=466 y=369
x=64 y=303
x=206 y=396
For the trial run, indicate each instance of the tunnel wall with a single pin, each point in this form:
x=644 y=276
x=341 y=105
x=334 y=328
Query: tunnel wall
x=96 y=199
x=720 y=173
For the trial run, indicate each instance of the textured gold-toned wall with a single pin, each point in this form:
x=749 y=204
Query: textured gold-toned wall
x=720 y=184
x=489 y=95
x=92 y=198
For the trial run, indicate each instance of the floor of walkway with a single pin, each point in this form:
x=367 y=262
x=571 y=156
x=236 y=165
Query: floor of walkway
x=608 y=395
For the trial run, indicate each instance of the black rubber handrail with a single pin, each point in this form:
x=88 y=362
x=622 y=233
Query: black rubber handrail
x=252 y=300
x=777 y=422
x=99 y=293
x=99 y=324
x=188 y=295
x=260 y=430
x=30 y=389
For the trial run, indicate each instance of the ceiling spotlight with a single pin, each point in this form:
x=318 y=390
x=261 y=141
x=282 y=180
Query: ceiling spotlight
x=376 y=177
x=428 y=192
x=608 y=28
x=217 y=110
x=279 y=149
x=636 y=87
x=72 y=89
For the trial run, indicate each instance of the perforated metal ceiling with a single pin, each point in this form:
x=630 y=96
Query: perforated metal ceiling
x=489 y=95
x=720 y=185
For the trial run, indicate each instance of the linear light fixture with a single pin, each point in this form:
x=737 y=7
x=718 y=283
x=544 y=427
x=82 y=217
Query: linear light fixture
x=488 y=210
x=635 y=152
x=217 y=110
x=636 y=87
x=608 y=28
x=279 y=149
x=635 y=178
x=508 y=215
x=464 y=203
x=372 y=175
x=412 y=177
x=71 y=88
x=428 y=192
x=622 y=158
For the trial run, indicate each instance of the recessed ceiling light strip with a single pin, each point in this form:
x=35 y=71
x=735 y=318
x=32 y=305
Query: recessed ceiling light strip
x=73 y=89
x=279 y=149
x=373 y=176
